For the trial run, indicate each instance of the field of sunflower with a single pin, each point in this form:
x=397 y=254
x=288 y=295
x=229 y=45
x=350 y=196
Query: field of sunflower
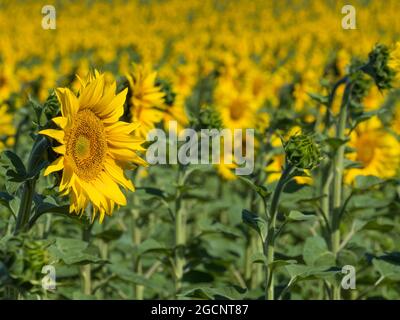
x=86 y=213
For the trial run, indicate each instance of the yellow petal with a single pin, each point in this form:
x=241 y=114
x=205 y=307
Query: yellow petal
x=69 y=102
x=60 y=149
x=60 y=122
x=57 y=165
x=118 y=174
x=115 y=109
x=55 y=134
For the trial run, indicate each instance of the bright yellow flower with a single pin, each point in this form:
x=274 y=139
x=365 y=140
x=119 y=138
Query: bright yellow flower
x=147 y=99
x=236 y=107
x=377 y=150
x=95 y=147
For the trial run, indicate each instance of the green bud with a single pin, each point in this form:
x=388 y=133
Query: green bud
x=377 y=67
x=361 y=82
x=302 y=151
x=51 y=107
x=209 y=118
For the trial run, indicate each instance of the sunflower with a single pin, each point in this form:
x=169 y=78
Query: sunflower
x=147 y=99
x=237 y=108
x=95 y=147
x=7 y=129
x=375 y=149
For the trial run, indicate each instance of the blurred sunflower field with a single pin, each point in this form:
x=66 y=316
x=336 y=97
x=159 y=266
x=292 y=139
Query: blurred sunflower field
x=84 y=214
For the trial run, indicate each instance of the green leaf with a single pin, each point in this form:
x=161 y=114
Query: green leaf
x=367 y=182
x=255 y=222
x=258 y=257
x=15 y=168
x=316 y=253
x=14 y=205
x=335 y=143
x=387 y=269
x=261 y=190
x=324 y=100
x=304 y=272
x=374 y=225
x=132 y=277
x=109 y=235
x=295 y=215
x=220 y=293
x=206 y=227
x=151 y=245
x=276 y=264
x=73 y=251
x=5 y=198
x=154 y=192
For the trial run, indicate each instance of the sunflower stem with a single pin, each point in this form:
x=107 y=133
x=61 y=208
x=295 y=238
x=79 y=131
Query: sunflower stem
x=338 y=181
x=86 y=277
x=180 y=232
x=28 y=190
x=269 y=243
x=25 y=206
x=137 y=239
x=136 y=235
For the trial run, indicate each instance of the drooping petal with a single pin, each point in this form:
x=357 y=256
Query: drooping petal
x=57 y=165
x=55 y=134
x=61 y=122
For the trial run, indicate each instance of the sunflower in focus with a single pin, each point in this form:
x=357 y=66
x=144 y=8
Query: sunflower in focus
x=147 y=99
x=7 y=129
x=375 y=149
x=95 y=147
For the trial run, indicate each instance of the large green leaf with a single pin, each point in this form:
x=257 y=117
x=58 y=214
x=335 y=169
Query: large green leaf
x=73 y=251
x=218 y=293
x=316 y=253
x=255 y=222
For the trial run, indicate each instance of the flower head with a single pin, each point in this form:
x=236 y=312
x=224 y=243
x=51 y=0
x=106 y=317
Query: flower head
x=94 y=146
x=147 y=99
x=378 y=67
x=375 y=149
x=302 y=151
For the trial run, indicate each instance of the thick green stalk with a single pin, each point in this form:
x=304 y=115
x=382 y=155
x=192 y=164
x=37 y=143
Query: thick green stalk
x=338 y=180
x=86 y=279
x=180 y=232
x=86 y=276
x=137 y=239
x=28 y=191
x=269 y=244
x=24 y=211
x=136 y=235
